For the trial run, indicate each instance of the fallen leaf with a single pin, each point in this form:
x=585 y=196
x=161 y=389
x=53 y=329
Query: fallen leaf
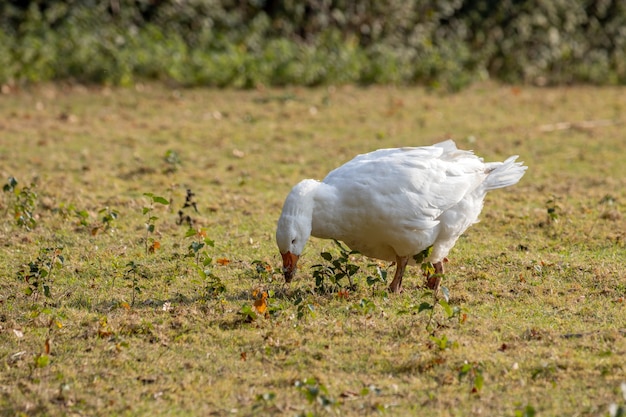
x=223 y=261
x=463 y=318
x=155 y=245
x=102 y=333
x=244 y=356
x=261 y=303
x=47 y=346
x=348 y=394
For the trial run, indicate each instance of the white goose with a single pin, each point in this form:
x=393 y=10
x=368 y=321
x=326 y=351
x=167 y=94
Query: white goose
x=393 y=204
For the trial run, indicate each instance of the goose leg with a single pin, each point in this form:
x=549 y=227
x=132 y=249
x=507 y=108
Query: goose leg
x=433 y=281
x=396 y=284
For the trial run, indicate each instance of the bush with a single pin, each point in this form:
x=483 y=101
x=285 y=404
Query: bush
x=246 y=43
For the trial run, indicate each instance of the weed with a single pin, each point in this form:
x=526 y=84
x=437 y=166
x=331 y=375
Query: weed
x=152 y=244
x=427 y=267
x=69 y=210
x=24 y=203
x=189 y=202
x=247 y=313
x=38 y=274
x=82 y=216
x=263 y=271
x=197 y=248
x=172 y=162
x=450 y=312
x=552 y=210
x=339 y=268
x=265 y=402
x=443 y=343
x=364 y=306
x=264 y=305
x=380 y=277
x=42 y=360
x=304 y=308
x=419 y=259
x=316 y=394
x=133 y=274
x=473 y=372
x=546 y=371
x=212 y=284
x=527 y=411
x=109 y=216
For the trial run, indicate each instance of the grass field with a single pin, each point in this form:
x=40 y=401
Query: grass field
x=101 y=314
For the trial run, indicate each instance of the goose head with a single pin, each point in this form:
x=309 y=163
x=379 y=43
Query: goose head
x=294 y=225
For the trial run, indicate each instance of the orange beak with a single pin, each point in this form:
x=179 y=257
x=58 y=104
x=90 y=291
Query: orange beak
x=290 y=261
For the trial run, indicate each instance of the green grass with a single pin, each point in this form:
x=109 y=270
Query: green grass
x=542 y=298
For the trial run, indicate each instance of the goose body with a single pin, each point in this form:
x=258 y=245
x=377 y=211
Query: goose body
x=392 y=204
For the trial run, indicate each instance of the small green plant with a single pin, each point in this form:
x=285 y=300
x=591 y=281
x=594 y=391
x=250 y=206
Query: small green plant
x=82 y=216
x=263 y=271
x=197 y=250
x=339 y=268
x=418 y=308
x=109 y=216
x=197 y=247
x=69 y=210
x=39 y=273
x=379 y=278
x=304 y=308
x=552 y=211
x=316 y=394
x=172 y=161
x=427 y=267
x=528 y=411
x=151 y=243
x=265 y=403
x=450 y=312
x=53 y=320
x=443 y=343
x=24 y=203
x=364 y=306
x=474 y=373
x=247 y=313
x=133 y=274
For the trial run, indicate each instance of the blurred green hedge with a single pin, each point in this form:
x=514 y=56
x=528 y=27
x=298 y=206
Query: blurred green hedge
x=245 y=43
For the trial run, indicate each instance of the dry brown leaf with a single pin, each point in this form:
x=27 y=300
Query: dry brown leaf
x=223 y=261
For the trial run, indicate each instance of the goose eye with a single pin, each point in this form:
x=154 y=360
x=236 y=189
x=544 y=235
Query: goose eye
x=293 y=242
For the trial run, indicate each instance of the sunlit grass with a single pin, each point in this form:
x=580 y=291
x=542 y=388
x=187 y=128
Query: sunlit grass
x=538 y=282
